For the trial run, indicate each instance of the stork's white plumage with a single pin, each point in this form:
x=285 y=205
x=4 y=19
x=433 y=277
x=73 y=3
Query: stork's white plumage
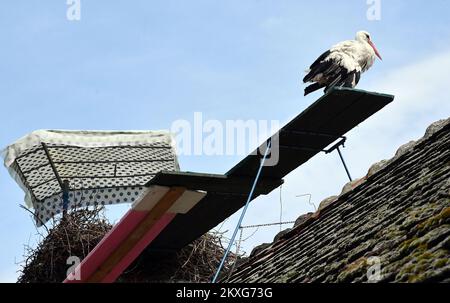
x=343 y=64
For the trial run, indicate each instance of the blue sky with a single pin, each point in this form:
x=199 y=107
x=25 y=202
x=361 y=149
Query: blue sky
x=144 y=64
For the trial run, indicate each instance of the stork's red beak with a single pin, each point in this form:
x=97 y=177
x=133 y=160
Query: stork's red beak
x=375 y=49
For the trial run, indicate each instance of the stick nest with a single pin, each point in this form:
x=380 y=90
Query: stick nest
x=75 y=235
x=81 y=230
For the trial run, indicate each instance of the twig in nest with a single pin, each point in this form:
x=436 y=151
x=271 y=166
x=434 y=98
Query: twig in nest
x=34 y=215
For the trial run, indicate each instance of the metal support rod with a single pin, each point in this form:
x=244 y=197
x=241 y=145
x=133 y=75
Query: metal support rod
x=98 y=162
x=65 y=186
x=302 y=148
x=269 y=145
x=310 y=149
x=345 y=165
x=65 y=196
x=52 y=165
x=310 y=133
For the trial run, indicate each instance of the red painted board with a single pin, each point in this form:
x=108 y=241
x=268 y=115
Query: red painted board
x=113 y=239
x=136 y=250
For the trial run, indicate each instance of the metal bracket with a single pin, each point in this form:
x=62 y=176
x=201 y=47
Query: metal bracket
x=336 y=146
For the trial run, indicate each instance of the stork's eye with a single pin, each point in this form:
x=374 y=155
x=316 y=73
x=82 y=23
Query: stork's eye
x=368 y=37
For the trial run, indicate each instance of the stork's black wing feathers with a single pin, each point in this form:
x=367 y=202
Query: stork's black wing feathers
x=313 y=88
x=318 y=66
x=332 y=74
x=320 y=59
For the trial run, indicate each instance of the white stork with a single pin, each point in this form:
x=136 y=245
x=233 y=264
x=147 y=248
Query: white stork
x=343 y=64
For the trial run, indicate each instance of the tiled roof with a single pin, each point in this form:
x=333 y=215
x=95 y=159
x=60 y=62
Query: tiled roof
x=391 y=226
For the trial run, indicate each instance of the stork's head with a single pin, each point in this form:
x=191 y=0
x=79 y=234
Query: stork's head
x=363 y=36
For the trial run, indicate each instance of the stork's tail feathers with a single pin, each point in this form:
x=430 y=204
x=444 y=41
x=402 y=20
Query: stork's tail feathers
x=313 y=88
x=309 y=76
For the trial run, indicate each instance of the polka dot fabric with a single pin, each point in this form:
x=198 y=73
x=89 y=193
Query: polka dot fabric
x=52 y=206
x=102 y=168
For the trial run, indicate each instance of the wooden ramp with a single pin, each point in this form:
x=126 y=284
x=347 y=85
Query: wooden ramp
x=308 y=134
x=160 y=226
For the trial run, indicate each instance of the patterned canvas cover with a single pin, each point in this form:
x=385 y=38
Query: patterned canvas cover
x=102 y=167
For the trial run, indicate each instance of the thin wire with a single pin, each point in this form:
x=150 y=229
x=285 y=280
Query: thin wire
x=267 y=225
x=223 y=223
x=269 y=144
x=252 y=234
x=237 y=254
x=309 y=200
x=238 y=247
x=281 y=206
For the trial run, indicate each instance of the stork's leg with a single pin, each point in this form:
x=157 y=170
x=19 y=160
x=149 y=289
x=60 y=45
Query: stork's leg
x=336 y=82
x=350 y=80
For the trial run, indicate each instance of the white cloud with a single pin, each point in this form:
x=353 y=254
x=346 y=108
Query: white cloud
x=421 y=98
x=420 y=90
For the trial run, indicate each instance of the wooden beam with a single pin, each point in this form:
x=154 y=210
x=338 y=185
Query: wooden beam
x=212 y=183
x=141 y=229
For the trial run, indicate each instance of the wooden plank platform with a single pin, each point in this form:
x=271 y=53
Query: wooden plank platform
x=320 y=125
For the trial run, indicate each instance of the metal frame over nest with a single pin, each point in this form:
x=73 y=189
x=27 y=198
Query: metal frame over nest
x=64 y=170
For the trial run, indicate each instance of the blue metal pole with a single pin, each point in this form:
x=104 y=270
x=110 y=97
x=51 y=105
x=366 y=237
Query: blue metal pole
x=269 y=145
